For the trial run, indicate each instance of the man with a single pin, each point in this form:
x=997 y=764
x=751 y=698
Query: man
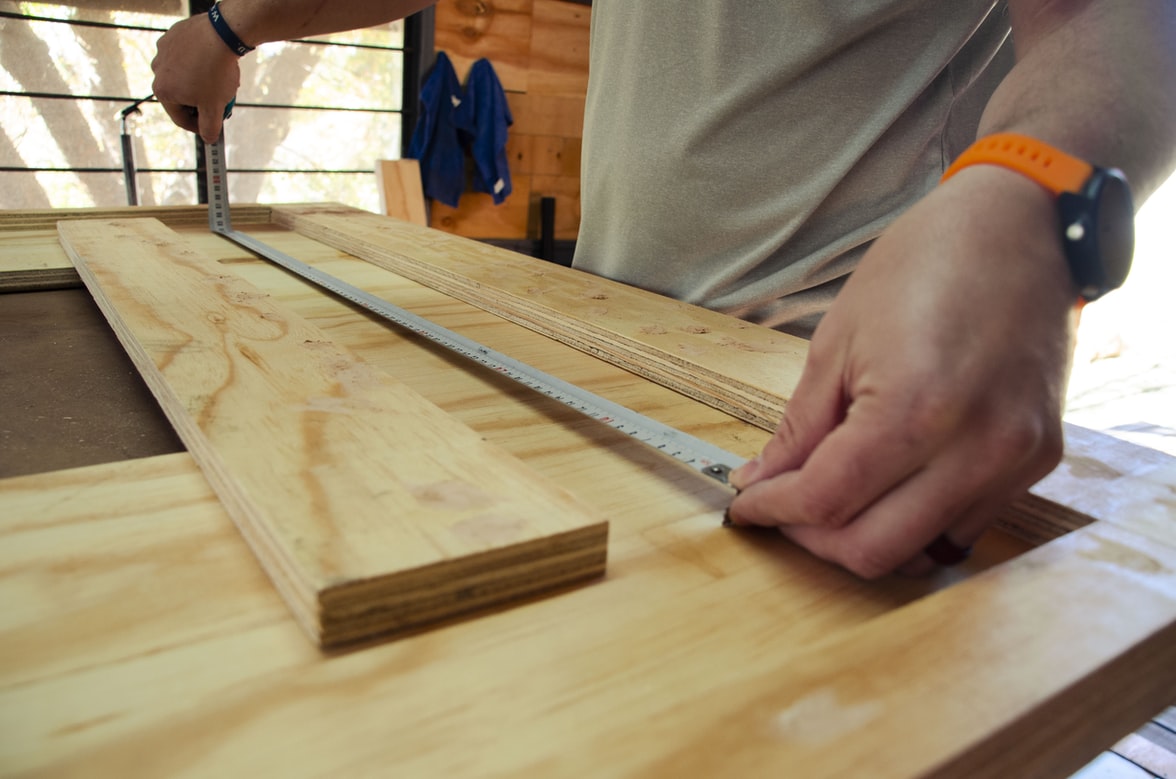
x=747 y=156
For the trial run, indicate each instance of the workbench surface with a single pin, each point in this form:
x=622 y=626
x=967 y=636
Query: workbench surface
x=139 y=636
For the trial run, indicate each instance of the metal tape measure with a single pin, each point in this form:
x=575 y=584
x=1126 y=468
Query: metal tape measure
x=704 y=457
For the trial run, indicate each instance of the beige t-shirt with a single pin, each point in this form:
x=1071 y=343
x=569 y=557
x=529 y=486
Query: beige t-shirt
x=742 y=155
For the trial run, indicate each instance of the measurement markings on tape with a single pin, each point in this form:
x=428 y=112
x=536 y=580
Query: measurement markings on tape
x=701 y=455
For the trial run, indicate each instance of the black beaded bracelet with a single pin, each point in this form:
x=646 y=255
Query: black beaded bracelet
x=226 y=32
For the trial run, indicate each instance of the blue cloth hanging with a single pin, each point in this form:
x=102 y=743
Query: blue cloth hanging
x=435 y=140
x=484 y=116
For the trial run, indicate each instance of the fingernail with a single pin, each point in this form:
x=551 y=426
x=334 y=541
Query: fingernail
x=739 y=477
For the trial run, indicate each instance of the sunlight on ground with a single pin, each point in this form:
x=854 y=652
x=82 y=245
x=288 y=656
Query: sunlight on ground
x=1124 y=377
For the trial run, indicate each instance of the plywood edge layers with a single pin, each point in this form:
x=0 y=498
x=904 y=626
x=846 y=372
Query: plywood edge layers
x=173 y=216
x=371 y=509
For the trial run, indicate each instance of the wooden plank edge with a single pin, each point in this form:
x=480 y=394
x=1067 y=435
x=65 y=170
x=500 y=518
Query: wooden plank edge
x=437 y=593
x=39 y=280
x=173 y=216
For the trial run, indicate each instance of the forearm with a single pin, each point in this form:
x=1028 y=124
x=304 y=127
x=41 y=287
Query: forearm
x=264 y=21
x=1094 y=78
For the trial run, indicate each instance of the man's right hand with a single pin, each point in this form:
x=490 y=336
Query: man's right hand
x=196 y=75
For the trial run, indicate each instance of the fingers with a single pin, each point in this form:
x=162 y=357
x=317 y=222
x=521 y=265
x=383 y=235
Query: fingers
x=196 y=76
x=816 y=408
x=954 y=496
x=870 y=453
x=209 y=121
x=183 y=116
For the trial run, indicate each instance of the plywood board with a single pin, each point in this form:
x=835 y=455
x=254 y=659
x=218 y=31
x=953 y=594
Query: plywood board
x=707 y=653
x=1025 y=666
x=371 y=509
x=29 y=262
x=703 y=354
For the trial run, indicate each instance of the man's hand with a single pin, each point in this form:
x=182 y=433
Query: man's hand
x=933 y=390
x=196 y=75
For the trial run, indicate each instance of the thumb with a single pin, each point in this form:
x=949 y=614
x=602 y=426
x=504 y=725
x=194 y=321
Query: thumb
x=210 y=121
x=815 y=409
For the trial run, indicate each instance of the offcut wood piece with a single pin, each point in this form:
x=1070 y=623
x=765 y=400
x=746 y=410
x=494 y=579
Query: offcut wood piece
x=401 y=192
x=371 y=509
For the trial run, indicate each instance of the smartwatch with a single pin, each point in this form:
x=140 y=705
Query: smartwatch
x=1095 y=206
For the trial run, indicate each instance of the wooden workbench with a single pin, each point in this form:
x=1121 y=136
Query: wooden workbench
x=139 y=637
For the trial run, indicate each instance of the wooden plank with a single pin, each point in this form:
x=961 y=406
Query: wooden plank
x=956 y=647
x=1026 y=669
x=619 y=676
x=741 y=368
x=173 y=216
x=704 y=354
x=28 y=262
x=371 y=509
x=401 y=192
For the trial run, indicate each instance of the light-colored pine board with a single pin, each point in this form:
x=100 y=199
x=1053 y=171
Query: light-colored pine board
x=28 y=262
x=704 y=653
x=371 y=509
x=704 y=354
x=617 y=677
x=1030 y=666
x=401 y=193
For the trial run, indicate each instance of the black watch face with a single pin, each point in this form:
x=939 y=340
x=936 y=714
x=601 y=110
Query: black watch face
x=1114 y=213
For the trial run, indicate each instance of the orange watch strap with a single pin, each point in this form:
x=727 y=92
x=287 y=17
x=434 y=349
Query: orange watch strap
x=1055 y=170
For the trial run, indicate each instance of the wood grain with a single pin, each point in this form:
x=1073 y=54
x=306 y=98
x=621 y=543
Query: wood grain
x=705 y=653
x=704 y=354
x=401 y=192
x=498 y=30
x=559 y=48
x=138 y=637
x=371 y=509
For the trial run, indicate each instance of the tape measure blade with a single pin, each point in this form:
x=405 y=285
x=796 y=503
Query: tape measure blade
x=701 y=455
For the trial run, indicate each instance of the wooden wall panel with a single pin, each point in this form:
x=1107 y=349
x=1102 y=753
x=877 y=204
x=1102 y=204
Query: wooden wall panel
x=559 y=48
x=539 y=49
x=499 y=30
